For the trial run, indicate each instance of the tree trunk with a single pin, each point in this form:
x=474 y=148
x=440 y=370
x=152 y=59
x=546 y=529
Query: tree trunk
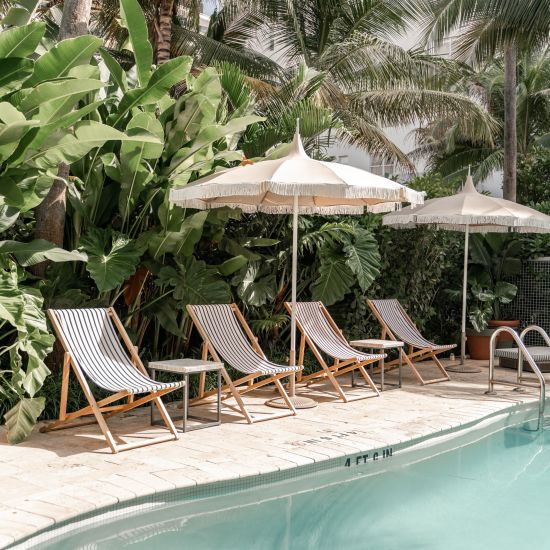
x=75 y=19
x=164 y=34
x=50 y=214
x=510 y=123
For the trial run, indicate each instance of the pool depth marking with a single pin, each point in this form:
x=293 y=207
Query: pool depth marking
x=366 y=457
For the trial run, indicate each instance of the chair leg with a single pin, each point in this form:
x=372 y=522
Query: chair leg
x=366 y=376
x=65 y=386
x=439 y=365
x=166 y=417
x=409 y=362
x=237 y=396
x=285 y=396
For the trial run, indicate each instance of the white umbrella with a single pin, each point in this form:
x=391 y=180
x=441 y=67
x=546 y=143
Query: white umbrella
x=295 y=184
x=471 y=212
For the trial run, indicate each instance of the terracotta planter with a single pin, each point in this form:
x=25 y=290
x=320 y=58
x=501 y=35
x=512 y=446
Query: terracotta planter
x=504 y=336
x=479 y=344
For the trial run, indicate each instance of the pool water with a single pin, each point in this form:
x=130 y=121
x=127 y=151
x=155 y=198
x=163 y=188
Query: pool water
x=493 y=493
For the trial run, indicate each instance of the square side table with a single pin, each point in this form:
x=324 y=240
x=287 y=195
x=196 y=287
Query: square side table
x=374 y=344
x=184 y=368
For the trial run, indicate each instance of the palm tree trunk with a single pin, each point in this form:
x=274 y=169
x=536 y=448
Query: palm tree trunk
x=75 y=19
x=510 y=123
x=164 y=34
x=50 y=214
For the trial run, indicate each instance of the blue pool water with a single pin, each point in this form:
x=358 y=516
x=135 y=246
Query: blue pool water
x=490 y=494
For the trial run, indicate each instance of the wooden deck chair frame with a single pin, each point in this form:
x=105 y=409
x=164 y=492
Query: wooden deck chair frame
x=414 y=355
x=338 y=368
x=235 y=388
x=104 y=409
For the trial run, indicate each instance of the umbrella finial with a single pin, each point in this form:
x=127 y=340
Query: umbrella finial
x=469 y=171
x=297 y=148
x=469 y=186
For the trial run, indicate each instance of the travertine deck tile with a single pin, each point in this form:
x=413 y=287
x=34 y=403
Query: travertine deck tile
x=57 y=476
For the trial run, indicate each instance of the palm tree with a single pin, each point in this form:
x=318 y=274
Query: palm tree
x=487 y=28
x=449 y=151
x=367 y=80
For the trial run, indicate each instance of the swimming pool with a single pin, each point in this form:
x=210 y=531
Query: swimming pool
x=486 y=490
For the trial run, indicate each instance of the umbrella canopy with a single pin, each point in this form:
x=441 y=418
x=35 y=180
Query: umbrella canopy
x=471 y=212
x=271 y=185
x=295 y=184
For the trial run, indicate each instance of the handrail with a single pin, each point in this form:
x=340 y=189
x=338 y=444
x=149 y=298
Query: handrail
x=522 y=351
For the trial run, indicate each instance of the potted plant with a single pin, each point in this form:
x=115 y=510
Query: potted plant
x=494 y=258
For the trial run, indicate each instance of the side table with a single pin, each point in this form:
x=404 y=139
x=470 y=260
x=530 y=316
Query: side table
x=382 y=345
x=185 y=367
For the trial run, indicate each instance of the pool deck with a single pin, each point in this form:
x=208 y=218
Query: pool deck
x=56 y=476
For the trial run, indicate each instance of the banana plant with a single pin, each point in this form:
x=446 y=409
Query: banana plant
x=49 y=104
x=139 y=246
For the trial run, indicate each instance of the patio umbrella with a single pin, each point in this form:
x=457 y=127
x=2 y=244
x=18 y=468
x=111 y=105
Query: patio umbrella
x=295 y=184
x=471 y=212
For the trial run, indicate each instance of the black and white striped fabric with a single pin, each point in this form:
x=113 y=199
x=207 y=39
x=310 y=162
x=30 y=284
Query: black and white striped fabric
x=310 y=315
x=226 y=334
x=95 y=347
x=401 y=327
x=538 y=353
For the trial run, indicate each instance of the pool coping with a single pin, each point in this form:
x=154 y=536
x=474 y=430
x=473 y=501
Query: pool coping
x=359 y=461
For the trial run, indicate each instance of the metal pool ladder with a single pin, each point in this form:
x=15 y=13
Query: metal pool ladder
x=523 y=352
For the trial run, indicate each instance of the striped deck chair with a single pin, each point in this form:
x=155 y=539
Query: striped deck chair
x=397 y=325
x=97 y=348
x=319 y=331
x=227 y=338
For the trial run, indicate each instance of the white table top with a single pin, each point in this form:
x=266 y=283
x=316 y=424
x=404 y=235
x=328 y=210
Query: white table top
x=377 y=344
x=185 y=366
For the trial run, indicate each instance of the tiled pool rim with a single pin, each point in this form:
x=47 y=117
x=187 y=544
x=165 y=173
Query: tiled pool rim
x=463 y=434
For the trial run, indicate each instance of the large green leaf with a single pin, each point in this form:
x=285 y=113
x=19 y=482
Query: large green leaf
x=112 y=257
x=194 y=111
x=363 y=258
x=207 y=136
x=39 y=250
x=257 y=284
x=24 y=193
x=70 y=148
x=20 y=14
x=22 y=308
x=505 y=292
x=8 y=216
x=13 y=72
x=20 y=420
x=10 y=133
x=21 y=41
x=117 y=72
x=166 y=76
x=181 y=242
x=334 y=280
x=135 y=172
x=232 y=265
x=60 y=90
x=57 y=62
x=194 y=282
x=133 y=19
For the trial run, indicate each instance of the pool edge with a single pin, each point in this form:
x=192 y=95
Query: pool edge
x=358 y=460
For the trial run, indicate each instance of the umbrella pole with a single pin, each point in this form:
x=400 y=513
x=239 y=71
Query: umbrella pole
x=292 y=388
x=464 y=294
x=461 y=368
x=299 y=401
